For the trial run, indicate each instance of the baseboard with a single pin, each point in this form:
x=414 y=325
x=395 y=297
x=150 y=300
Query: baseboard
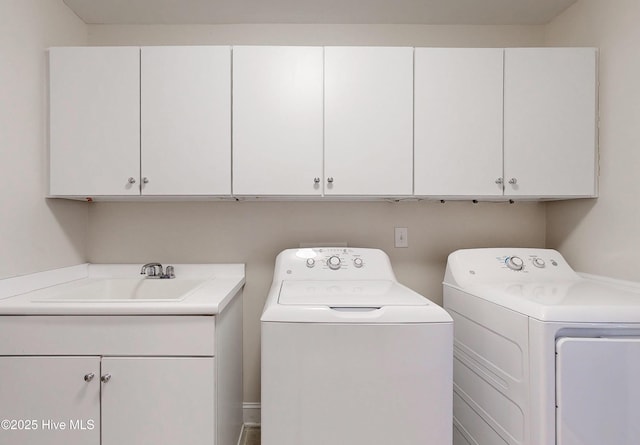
x=251 y=413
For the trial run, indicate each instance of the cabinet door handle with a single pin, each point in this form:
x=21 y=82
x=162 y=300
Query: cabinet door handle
x=499 y=181
x=330 y=179
x=513 y=181
x=105 y=378
x=145 y=180
x=89 y=377
x=132 y=180
x=316 y=180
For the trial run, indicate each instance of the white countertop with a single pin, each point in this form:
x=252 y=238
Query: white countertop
x=40 y=293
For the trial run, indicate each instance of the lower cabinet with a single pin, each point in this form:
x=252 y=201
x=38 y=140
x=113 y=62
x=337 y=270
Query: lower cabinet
x=157 y=400
x=121 y=380
x=41 y=397
x=121 y=400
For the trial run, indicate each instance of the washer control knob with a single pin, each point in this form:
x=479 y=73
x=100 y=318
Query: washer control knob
x=334 y=262
x=311 y=262
x=515 y=263
x=358 y=262
x=539 y=262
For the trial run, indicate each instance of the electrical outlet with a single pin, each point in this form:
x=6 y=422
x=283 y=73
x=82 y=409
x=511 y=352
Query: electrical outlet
x=401 y=237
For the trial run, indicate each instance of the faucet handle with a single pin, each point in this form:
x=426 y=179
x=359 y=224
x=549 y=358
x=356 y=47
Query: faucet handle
x=170 y=272
x=152 y=270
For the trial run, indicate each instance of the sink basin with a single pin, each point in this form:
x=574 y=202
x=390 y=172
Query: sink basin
x=123 y=290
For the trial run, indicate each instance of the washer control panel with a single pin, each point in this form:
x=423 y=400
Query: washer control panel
x=341 y=263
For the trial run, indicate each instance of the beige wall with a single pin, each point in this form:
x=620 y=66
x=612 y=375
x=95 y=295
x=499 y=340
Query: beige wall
x=603 y=236
x=254 y=232
x=383 y=35
x=35 y=234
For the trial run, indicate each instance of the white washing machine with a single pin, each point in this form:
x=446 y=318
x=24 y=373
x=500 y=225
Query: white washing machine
x=542 y=355
x=352 y=357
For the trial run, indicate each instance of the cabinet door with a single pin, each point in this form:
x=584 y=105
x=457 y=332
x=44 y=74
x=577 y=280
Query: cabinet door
x=50 y=400
x=186 y=120
x=94 y=121
x=550 y=122
x=158 y=401
x=458 y=121
x=369 y=121
x=277 y=120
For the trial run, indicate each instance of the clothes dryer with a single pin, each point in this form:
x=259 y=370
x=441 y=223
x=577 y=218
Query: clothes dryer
x=542 y=354
x=352 y=357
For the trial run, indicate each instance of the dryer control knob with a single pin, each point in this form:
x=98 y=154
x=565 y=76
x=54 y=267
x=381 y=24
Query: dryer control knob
x=515 y=263
x=539 y=262
x=358 y=262
x=334 y=262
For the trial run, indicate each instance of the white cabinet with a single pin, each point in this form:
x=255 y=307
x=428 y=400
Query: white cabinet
x=550 y=114
x=277 y=120
x=123 y=379
x=314 y=121
x=131 y=121
x=40 y=394
x=458 y=121
x=368 y=121
x=158 y=400
x=304 y=125
x=186 y=120
x=522 y=127
x=124 y=400
x=94 y=121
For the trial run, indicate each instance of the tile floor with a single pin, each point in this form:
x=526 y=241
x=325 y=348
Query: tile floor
x=251 y=435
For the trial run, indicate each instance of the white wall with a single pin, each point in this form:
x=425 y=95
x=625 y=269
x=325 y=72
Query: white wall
x=35 y=234
x=603 y=236
x=254 y=232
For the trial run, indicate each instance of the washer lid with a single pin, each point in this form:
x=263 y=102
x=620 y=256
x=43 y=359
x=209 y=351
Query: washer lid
x=347 y=293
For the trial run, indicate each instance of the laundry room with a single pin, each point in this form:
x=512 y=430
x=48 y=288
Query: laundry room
x=262 y=207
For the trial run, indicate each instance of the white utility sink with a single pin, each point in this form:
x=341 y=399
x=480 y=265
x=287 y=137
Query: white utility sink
x=120 y=289
x=94 y=290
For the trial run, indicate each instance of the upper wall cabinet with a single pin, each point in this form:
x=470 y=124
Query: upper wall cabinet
x=186 y=120
x=368 y=120
x=458 y=121
x=131 y=121
x=550 y=115
x=94 y=121
x=334 y=121
x=530 y=132
x=277 y=120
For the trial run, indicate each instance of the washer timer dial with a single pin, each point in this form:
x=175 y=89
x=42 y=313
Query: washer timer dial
x=334 y=262
x=514 y=263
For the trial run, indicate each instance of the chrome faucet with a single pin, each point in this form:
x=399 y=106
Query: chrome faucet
x=154 y=270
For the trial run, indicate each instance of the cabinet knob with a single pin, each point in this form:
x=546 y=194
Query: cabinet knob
x=330 y=179
x=513 y=181
x=132 y=180
x=145 y=180
x=499 y=181
x=316 y=180
x=89 y=377
x=105 y=378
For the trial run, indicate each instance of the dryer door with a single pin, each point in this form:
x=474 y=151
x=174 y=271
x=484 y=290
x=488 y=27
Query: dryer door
x=598 y=391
